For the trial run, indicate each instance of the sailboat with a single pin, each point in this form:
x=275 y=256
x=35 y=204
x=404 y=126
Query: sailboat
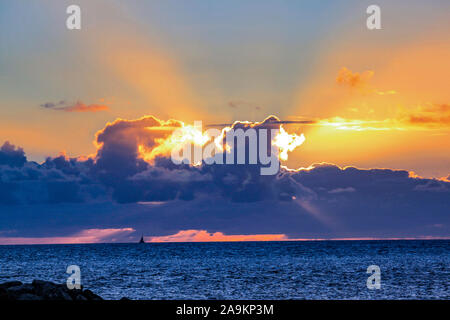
x=142 y=239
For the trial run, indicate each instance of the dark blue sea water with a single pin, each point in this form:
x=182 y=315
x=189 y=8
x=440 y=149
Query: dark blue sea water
x=245 y=270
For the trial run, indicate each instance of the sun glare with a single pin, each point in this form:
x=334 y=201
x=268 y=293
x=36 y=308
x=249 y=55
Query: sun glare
x=194 y=136
x=287 y=142
x=187 y=134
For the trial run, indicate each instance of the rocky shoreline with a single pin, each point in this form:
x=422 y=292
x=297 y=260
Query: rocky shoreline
x=44 y=290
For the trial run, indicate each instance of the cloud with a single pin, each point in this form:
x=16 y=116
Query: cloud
x=386 y=206
x=57 y=180
x=433 y=186
x=342 y=190
x=431 y=115
x=78 y=106
x=81 y=107
x=119 y=156
x=84 y=236
x=117 y=188
x=52 y=105
x=11 y=156
x=238 y=104
x=353 y=79
x=205 y=236
x=359 y=81
x=133 y=159
x=427 y=116
x=120 y=172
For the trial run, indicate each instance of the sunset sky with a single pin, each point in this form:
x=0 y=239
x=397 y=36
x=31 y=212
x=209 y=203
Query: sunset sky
x=376 y=99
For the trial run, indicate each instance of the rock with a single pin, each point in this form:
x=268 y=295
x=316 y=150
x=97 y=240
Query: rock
x=63 y=294
x=17 y=291
x=57 y=294
x=29 y=296
x=90 y=295
x=74 y=293
x=43 y=290
x=80 y=298
x=3 y=294
x=9 y=284
x=52 y=291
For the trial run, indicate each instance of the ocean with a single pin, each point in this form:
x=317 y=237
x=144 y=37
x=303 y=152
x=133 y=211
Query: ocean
x=410 y=269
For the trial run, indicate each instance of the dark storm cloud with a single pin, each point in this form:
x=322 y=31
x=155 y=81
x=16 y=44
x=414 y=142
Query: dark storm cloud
x=239 y=103
x=51 y=105
x=119 y=173
x=57 y=180
x=121 y=168
x=118 y=159
x=334 y=217
x=78 y=106
x=118 y=189
x=11 y=156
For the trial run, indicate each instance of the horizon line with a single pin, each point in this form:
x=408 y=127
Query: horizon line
x=239 y=241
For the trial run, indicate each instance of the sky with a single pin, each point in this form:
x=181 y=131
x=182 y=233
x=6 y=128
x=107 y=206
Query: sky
x=76 y=107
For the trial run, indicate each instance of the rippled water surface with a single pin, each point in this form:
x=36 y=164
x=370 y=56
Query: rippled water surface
x=245 y=270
